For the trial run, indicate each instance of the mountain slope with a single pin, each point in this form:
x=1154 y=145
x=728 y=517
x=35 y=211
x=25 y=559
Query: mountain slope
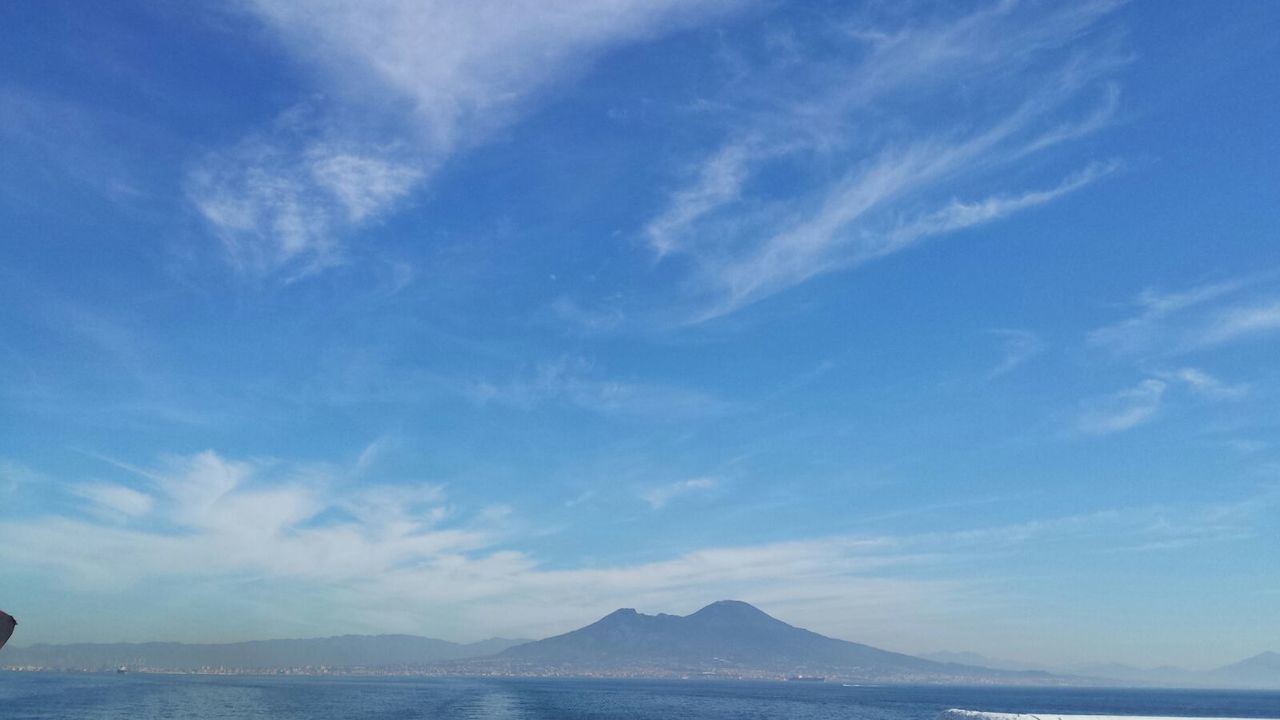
x=978 y=660
x=726 y=635
x=340 y=651
x=1260 y=671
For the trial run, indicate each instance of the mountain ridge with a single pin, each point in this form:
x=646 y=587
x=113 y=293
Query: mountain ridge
x=332 y=651
x=1260 y=671
x=727 y=637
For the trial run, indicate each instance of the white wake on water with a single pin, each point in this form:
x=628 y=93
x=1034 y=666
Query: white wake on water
x=958 y=714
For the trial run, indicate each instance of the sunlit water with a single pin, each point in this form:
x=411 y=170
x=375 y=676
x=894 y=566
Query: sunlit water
x=25 y=696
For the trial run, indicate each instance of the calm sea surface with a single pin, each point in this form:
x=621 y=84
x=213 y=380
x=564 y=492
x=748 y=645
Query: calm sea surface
x=138 y=697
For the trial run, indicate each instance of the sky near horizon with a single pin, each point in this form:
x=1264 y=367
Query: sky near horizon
x=935 y=326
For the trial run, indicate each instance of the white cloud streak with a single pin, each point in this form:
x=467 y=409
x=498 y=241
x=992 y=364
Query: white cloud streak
x=1197 y=318
x=1205 y=385
x=571 y=380
x=719 y=182
x=1123 y=410
x=748 y=244
x=1142 y=403
x=416 y=82
x=16 y=475
x=662 y=495
x=959 y=215
x=1241 y=322
x=280 y=205
x=114 y=500
x=1019 y=346
x=205 y=515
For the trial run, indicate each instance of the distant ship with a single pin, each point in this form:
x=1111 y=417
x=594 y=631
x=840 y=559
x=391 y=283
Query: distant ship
x=806 y=678
x=122 y=670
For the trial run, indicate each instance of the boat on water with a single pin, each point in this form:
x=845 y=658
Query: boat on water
x=806 y=678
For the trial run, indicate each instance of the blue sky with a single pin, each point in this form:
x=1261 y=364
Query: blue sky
x=934 y=326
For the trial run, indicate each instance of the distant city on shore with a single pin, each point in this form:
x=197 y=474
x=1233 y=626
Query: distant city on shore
x=727 y=639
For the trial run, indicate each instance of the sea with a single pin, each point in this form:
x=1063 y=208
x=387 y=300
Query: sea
x=138 y=696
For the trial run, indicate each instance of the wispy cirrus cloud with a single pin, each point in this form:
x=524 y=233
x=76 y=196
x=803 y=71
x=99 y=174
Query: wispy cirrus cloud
x=14 y=475
x=415 y=83
x=1243 y=321
x=719 y=182
x=359 y=377
x=1164 y=325
x=959 y=215
x=1205 y=385
x=660 y=496
x=113 y=500
x=1142 y=403
x=1019 y=346
x=1125 y=529
x=586 y=320
x=1034 y=87
x=573 y=380
x=1123 y=410
x=1196 y=318
x=281 y=204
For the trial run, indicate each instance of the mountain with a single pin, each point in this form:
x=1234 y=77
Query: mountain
x=1260 y=671
x=729 y=637
x=973 y=658
x=1164 y=675
x=345 y=651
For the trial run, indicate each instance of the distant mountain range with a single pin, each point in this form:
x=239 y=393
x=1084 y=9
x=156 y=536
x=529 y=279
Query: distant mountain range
x=731 y=638
x=1261 y=671
x=972 y=658
x=345 y=651
x=727 y=639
